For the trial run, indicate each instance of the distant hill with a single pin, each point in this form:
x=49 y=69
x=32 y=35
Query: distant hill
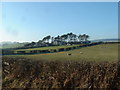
x=106 y=40
x=5 y=45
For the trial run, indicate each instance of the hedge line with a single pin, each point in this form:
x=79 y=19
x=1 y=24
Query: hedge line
x=55 y=50
x=11 y=52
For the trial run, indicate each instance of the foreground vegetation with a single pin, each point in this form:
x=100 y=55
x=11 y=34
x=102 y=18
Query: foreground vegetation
x=26 y=73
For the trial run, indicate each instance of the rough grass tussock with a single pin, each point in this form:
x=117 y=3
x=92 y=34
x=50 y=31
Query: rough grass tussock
x=26 y=73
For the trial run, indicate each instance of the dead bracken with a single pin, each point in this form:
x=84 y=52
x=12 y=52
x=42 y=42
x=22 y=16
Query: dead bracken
x=25 y=73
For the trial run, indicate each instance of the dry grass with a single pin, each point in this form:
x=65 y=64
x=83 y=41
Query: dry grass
x=25 y=73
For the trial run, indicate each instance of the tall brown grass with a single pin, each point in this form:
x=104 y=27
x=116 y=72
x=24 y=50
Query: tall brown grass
x=24 y=73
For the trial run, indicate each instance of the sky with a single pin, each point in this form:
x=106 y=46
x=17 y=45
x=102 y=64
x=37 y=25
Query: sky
x=31 y=21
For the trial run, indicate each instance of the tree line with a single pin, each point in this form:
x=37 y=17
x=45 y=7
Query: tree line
x=65 y=39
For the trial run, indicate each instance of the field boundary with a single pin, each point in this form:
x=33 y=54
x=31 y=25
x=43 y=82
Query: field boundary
x=51 y=51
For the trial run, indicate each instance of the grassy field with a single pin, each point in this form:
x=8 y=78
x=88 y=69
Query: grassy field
x=102 y=52
x=46 y=48
x=88 y=67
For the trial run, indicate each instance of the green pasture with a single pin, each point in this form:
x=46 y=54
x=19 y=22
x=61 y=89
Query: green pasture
x=102 y=52
x=45 y=48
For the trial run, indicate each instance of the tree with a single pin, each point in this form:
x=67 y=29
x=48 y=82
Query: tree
x=39 y=43
x=57 y=39
x=85 y=36
x=64 y=38
x=69 y=35
x=47 y=38
x=52 y=39
x=44 y=39
x=72 y=38
x=81 y=38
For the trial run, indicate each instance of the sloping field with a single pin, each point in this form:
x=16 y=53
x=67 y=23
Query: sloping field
x=102 y=52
